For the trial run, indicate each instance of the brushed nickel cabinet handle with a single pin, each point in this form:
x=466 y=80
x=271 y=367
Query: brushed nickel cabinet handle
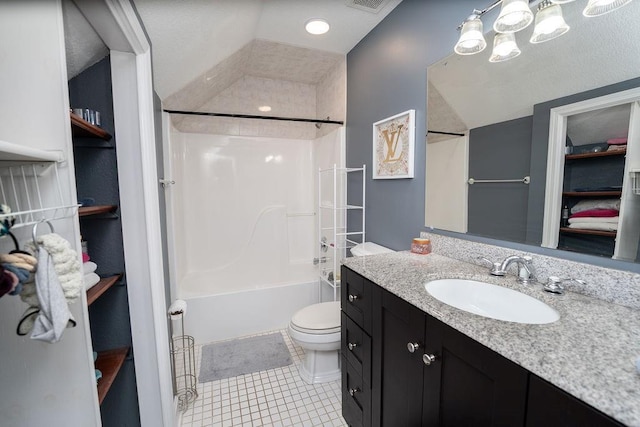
x=428 y=359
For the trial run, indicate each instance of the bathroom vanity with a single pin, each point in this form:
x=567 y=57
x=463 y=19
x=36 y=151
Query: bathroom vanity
x=410 y=360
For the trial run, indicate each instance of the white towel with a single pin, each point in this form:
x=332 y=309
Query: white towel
x=90 y=280
x=89 y=267
x=595 y=220
x=595 y=226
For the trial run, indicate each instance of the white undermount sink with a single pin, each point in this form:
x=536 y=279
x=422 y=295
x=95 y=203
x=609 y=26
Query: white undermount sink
x=496 y=302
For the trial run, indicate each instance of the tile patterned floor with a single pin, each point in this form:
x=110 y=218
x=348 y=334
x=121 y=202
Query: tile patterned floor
x=276 y=397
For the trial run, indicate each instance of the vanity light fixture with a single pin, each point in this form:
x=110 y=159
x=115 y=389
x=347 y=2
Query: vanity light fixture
x=549 y=23
x=600 y=7
x=316 y=26
x=264 y=108
x=504 y=47
x=515 y=15
x=471 y=37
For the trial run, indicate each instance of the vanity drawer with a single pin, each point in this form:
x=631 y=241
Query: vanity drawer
x=356 y=397
x=356 y=348
x=356 y=294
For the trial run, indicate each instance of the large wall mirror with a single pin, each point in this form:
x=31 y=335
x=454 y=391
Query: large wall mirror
x=491 y=121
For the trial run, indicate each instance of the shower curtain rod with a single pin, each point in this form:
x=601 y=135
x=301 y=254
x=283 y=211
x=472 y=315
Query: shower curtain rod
x=249 y=116
x=444 y=133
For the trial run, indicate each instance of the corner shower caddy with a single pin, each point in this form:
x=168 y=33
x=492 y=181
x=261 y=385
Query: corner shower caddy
x=333 y=234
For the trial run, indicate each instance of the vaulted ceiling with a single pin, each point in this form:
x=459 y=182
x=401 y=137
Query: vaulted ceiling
x=191 y=38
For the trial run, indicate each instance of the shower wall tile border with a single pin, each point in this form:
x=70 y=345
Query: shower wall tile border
x=615 y=286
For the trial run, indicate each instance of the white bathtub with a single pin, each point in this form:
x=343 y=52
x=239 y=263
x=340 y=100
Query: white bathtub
x=237 y=302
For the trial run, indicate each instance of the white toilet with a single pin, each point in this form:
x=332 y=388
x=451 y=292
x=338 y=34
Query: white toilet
x=316 y=328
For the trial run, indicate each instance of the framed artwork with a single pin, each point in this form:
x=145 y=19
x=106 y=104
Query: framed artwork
x=393 y=146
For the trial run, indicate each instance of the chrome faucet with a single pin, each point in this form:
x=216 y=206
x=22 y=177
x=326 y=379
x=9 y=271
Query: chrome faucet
x=554 y=284
x=526 y=272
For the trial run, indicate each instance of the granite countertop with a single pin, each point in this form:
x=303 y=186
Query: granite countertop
x=590 y=352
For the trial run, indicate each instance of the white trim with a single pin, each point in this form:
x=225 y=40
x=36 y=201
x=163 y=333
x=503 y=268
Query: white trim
x=117 y=24
x=555 y=155
x=154 y=229
x=167 y=145
x=127 y=21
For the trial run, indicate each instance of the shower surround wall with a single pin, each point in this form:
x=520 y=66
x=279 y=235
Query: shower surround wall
x=245 y=229
x=244 y=202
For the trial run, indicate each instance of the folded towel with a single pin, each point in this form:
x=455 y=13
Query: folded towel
x=607 y=226
x=584 y=205
x=89 y=267
x=617 y=141
x=20 y=260
x=617 y=147
x=596 y=213
x=90 y=280
x=595 y=220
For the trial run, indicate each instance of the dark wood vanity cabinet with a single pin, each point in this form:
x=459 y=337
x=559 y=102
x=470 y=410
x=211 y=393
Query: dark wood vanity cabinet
x=405 y=368
x=547 y=405
x=432 y=375
x=356 y=294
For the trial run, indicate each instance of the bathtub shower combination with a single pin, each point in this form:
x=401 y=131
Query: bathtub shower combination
x=244 y=229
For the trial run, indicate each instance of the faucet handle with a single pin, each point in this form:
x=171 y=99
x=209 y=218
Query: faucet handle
x=555 y=284
x=496 y=269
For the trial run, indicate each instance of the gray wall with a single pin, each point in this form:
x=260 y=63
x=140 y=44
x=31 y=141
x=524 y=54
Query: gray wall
x=499 y=210
x=386 y=75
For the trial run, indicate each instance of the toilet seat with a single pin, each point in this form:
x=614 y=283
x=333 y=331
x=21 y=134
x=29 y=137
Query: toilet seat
x=318 y=319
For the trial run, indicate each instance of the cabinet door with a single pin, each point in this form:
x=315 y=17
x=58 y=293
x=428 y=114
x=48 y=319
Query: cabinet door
x=549 y=406
x=468 y=384
x=397 y=379
x=355 y=293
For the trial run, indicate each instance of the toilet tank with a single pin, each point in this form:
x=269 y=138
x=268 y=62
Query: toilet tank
x=369 y=248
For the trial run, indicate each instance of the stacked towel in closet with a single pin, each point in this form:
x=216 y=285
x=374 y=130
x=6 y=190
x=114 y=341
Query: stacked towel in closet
x=617 y=144
x=90 y=277
x=602 y=215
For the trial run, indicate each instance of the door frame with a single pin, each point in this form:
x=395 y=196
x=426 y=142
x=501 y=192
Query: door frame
x=117 y=23
x=555 y=155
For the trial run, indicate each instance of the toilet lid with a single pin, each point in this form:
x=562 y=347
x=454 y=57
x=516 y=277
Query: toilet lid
x=323 y=318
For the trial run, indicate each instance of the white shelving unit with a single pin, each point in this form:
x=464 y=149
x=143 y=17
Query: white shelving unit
x=30 y=185
x=333 y=235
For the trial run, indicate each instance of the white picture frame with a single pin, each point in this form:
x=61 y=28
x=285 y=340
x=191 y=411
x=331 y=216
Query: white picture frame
x=394 y=145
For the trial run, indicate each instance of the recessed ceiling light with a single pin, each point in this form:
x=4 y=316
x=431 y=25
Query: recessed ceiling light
x=316 y=26
x=264 y=108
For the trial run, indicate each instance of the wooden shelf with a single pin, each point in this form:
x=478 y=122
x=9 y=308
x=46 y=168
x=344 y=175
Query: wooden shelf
x=615 y=194
x=101 y=287
x=83 y=128
x=588 y=232
x=592 y=155
x=96 y=210
x=109 y=363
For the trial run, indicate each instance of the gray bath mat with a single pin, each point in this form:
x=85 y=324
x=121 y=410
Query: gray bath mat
x=243 y=356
